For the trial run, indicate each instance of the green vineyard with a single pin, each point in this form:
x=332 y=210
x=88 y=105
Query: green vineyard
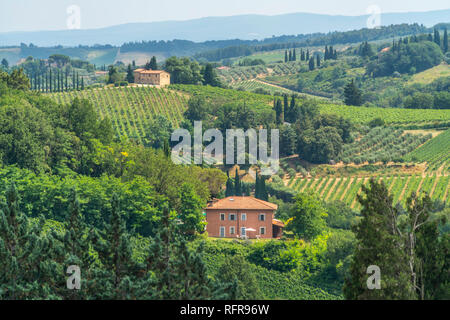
x=400 y=187
x=252 y=85
x=131 y=109
x=436 y=152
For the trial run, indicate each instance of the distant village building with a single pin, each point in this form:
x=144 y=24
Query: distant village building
x=152 y=77
x=242 y=217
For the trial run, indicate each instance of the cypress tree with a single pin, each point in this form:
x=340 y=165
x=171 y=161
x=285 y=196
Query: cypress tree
x=437 y=37
x=352 y=94
x=50 y=81
x=318 y=60
x=279 y=112
x=294 y=55
x=130 y=74
x=285 y=56
x=445 y=44
x=237 y=184
x=263 y=191
x=311 y=63
x=257 y=190
x=379 y=244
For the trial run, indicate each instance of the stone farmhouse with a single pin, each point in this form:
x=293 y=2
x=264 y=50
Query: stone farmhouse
x=242 y=217
x=152 y=77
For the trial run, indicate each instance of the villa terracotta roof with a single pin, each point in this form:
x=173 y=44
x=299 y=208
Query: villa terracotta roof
x=278 y=223
x=244 y=203
x=141 y=70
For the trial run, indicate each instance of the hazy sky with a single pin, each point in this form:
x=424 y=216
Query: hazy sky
x=34 y=15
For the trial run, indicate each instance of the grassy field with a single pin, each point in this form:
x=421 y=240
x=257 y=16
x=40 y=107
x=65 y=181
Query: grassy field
x=428 y=76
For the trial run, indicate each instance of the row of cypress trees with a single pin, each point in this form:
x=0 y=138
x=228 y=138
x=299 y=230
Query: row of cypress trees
x=234 y=187
x=56 y=81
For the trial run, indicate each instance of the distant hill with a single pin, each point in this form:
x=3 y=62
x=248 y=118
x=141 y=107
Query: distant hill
x=217 y=28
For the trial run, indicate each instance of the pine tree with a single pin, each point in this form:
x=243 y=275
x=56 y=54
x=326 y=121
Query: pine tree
x=379 y=244
x=120 y=277
x=26 y=255
x=179 y=273
x=77 y=243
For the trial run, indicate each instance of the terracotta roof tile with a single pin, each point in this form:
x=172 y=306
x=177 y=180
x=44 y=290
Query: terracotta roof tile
x=245 y=203
x=140 y=70
x=278 y=223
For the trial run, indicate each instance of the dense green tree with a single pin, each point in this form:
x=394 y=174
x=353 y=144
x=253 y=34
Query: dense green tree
x=319 y=146
x=197 y=109
x=190 y=211
x=210 y=76
x=238 y=270
x=419 y=100
x=18 y=80
x=183 y=70
x=113 y=76
x=308 y=217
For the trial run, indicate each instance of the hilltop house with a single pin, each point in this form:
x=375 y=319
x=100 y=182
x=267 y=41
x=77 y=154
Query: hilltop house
x=242 y=217
x=152 y=77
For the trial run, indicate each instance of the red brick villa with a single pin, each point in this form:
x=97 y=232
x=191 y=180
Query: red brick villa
x=242 y=217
